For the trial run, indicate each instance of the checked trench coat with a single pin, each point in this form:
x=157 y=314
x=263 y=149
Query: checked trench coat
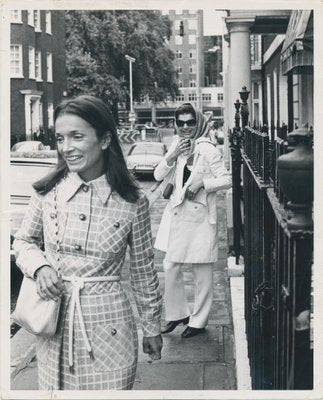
x=95 y=226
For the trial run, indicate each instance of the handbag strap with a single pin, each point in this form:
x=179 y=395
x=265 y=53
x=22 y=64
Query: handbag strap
x=57 y=250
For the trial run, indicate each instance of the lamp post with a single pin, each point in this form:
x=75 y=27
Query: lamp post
x=131 y=114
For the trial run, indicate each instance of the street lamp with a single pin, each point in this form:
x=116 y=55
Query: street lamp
x=131 y=114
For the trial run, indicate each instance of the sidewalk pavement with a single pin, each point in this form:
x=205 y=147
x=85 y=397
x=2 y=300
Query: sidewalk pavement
x=203 y=362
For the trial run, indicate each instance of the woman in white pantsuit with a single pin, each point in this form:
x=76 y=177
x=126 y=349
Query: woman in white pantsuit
x=188 y=229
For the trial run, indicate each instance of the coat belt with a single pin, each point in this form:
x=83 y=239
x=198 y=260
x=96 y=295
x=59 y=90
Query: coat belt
x=78 y=284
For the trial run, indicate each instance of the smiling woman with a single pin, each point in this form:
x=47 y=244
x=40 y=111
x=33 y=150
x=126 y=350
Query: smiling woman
x=86 y=212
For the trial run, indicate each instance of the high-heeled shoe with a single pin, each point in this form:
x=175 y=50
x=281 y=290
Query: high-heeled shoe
x=171 y=325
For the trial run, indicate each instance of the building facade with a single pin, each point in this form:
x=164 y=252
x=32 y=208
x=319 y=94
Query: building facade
x=198 y=61
x=37 y=72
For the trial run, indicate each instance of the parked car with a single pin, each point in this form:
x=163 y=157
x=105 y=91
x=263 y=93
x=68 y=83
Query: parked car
x=29 y=145
x=143 y=157
x=23 y=173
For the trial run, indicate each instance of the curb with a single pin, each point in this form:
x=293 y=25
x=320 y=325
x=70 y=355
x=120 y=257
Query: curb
x=239 y=326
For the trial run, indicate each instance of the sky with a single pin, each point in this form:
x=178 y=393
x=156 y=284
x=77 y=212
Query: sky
x=213 y=24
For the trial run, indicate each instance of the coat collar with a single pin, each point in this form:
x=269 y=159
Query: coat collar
x=73 y=183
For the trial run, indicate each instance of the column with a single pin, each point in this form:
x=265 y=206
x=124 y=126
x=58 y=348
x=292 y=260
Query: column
x=240 y=65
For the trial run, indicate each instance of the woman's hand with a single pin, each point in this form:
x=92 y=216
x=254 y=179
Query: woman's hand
x=49 y=284
x=152 y=346
x=183 y=145
x=194 y=187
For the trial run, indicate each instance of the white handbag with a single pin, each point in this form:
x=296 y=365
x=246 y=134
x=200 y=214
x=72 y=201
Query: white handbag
x=36 y=315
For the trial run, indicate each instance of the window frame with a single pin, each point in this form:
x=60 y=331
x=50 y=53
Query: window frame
x=38 y=77
x=48 y=22
x=31 y=62
x=30 y=17
x=20 y=60
x=38 y=24
x=49 y=66
x=17 y=20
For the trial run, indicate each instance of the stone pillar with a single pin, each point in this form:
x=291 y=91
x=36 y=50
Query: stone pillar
x=240 y=64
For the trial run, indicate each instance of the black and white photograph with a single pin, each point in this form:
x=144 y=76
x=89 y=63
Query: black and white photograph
x=157 y=199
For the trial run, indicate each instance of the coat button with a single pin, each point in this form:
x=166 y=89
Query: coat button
x=85 y=188
x=77 y=247
x=82 y=217
x=116 y=224
x=113 y=331
x=52 y=215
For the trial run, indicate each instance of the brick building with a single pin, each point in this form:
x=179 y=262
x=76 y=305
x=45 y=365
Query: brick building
x=37 y=72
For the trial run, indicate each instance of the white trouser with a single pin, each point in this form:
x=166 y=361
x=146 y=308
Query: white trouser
x=176 y=305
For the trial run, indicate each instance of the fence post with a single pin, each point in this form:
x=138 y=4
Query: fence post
x=235 y=146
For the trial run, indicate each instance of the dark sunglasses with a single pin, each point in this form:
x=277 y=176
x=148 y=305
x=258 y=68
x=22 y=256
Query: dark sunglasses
x=190 y=123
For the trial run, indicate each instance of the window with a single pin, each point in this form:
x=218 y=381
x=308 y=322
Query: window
x=15 y=16
x=165 y=12
x=38 y=75
x=220 y=96
x=48 y=22
x=30 y=18
x=37 y=20
x=206 y=96
x=179 y=54
x=180 y=97
x=192 y=24
x=255 y=91
x=177 y=23
x=192 y=83
x=179 y=69
x=180 y=83
x=178 y=39
x=192 y=39
x=192 y=97
x=31 y=59
x=49 y=67
x=50 y=114
x=193 y=54
x=178 y=12
x=192 y=69
x=16 y=60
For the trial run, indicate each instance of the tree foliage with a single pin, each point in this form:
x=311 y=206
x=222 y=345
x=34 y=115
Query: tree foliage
x=97 y=42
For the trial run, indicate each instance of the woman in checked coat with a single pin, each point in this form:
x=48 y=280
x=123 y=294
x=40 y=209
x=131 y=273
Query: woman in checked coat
x=85 y=213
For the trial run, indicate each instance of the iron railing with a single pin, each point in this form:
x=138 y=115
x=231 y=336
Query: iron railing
x=278 y=263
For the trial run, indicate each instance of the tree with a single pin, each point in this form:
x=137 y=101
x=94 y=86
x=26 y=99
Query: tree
x=96 y=45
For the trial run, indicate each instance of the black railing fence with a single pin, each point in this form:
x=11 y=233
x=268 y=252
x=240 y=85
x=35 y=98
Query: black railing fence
x=275 y=237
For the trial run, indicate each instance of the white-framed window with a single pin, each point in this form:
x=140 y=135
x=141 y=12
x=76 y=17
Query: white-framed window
x=220 y=96
x=179 y=54
x=38 y=74
x=180 y=83
x=192 y=69
x=192 y=53
x=37 y=20
x=206 y=96
x=49 y=61
x=50 y=114
x=179 y=69
x=165 y=12
x=192 y=12
x=178 y=39
x=192 y=97
x=177 y=24
x=31 y=61
x=192 y=38
x=192 y=24
x=180 y=97
x=16 y=61
x=30 y=17
x=178 y=12
x=192 y=83
x=15 y=16
x=48 y=22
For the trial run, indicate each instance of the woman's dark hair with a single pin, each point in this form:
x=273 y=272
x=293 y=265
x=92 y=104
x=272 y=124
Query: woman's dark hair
x=97 y=114
x=185 y=108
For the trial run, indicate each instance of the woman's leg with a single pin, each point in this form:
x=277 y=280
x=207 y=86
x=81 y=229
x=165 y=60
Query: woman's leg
x=203 y=278
x=176 y=306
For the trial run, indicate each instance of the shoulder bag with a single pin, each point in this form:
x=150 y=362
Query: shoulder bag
x=34 y=314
